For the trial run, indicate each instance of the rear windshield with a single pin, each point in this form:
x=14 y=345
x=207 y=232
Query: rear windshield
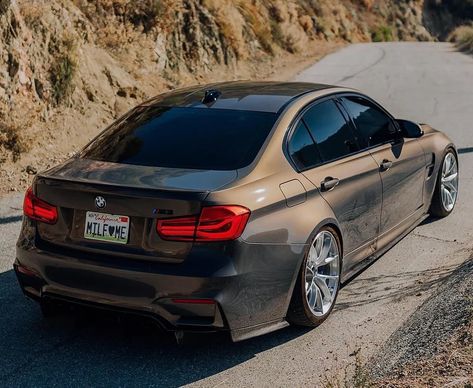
x=194 y=138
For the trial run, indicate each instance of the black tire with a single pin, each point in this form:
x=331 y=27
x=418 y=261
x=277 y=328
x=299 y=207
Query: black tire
x=436 y=207
x=299 y=312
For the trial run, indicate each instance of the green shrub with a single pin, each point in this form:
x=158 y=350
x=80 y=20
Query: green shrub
x=62 y=74
x=63 y=69
x=382 y=34
x=463 y=38
x=278 y=35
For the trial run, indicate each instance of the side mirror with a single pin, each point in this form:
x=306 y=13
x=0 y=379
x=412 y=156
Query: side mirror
x=410 y=129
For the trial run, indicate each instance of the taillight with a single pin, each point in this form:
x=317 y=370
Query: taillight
x=219 y=223
x=37 y=209
x=178 y=229
x=215 y=223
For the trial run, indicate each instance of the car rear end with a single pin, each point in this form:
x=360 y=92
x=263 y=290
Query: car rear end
x=127 y=225
x=151 y=266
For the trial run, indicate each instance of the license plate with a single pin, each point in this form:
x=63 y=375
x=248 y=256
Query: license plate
x=107 y=227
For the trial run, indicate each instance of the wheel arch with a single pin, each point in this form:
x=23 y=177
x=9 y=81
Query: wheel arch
x=329 y=222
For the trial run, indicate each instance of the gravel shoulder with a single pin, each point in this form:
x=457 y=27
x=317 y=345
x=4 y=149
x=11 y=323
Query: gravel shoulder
x=427 y=332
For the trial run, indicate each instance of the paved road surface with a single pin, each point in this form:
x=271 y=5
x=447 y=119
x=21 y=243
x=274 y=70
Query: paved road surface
x=428 y=82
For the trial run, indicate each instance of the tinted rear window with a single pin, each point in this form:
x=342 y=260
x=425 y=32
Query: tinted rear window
x=195 y=138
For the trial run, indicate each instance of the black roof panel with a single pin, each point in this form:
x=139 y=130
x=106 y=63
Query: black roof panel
x=239 y=95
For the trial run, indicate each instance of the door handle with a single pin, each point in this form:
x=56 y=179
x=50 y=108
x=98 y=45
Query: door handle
x=385 y=165
x=329 y=183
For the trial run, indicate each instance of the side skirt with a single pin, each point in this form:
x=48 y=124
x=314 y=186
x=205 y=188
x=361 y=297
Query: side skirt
x=254 y=331
x=372 y=258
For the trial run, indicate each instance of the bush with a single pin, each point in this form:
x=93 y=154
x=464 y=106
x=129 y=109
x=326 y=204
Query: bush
x=63 y=69
x=11 y=141
x=382 y=34
x=463 y=38
x=4 y=5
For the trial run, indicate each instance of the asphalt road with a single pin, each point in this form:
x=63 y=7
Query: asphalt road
x=427 y=82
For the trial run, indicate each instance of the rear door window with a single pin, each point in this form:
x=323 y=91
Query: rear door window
x=191 y=138
x=332 y=133
x=302 y=148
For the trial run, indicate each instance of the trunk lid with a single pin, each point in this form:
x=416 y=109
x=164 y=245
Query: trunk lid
x=143 y=194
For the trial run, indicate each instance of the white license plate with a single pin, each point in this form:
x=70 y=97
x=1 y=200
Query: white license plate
x=107 y=227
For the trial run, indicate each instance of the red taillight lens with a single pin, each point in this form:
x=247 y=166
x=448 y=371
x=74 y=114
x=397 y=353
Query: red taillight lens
x=178 y=229
x=220 y=223
x=215 y=223
x=37 y=209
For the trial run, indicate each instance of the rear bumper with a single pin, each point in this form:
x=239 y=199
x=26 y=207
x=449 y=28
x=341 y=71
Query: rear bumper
x=136 y=297
x=251 y=287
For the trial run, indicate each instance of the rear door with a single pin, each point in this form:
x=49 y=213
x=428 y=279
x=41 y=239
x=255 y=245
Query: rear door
x=401 y=161
x=347 y=177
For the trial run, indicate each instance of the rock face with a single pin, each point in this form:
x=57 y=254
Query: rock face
x=67 y=67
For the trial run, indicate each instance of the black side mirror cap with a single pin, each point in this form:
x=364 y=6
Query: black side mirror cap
x=410 y=129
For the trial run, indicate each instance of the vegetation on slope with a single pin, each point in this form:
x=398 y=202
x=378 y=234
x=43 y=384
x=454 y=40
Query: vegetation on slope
x=69 y=67
x=463 y=38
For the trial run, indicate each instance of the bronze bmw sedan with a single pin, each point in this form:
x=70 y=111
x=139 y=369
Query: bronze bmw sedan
x=236 y=206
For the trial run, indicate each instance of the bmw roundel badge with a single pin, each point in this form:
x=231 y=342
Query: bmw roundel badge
x=100 y=202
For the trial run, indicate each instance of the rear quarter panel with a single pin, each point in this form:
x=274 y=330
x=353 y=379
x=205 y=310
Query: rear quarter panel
x=272 y=246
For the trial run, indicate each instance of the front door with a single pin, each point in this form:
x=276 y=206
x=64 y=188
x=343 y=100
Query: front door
x=347 y=177
x=401 y=161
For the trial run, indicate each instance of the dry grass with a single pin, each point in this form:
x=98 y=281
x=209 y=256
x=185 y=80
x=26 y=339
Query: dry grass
x=229 y=24
x=452 y=366
x=354 y=376
x=463 y=38
x=32 y=13
x=262 y=30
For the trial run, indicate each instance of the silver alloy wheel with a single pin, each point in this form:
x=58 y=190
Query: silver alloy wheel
x=322 y=272
x=449 y=182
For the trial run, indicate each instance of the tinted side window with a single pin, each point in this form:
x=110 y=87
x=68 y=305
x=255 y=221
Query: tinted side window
x=302 y=148
x=372 y=123
x=330 y=130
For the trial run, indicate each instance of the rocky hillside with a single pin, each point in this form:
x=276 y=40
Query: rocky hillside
x=70 y=67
